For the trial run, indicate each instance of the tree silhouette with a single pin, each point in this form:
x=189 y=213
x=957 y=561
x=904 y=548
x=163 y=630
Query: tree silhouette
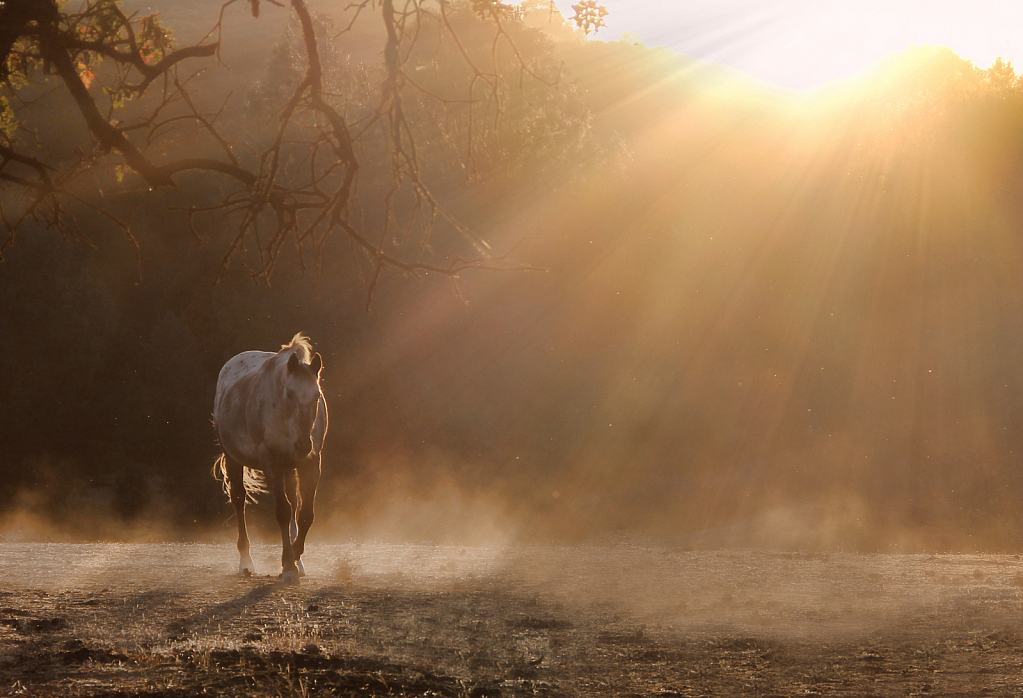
x=150 y=123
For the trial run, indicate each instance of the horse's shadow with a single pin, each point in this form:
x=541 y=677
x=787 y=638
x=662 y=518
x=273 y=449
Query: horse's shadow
x=224 y=613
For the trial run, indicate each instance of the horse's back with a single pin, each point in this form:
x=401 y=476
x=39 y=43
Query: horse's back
x=234 y=385
x=240 y=415
x=232 y=374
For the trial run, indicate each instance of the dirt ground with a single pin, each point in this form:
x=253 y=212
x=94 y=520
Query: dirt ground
x=621 y=619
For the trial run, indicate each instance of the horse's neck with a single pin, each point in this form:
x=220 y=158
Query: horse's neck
x=269 y=379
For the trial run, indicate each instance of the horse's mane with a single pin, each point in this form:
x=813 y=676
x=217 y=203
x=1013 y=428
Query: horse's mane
x=300 y=345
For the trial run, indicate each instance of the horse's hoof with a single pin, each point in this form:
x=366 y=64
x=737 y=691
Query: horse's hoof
x=290 y=578
x=245 y=567
x=301 y=568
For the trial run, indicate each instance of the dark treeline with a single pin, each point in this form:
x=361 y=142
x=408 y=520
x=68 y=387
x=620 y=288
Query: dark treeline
x=801 y=313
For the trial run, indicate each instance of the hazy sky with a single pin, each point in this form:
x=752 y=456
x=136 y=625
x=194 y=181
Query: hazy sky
x=805 y=43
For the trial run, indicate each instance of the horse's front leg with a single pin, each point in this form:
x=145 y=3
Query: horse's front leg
x=308 y=479
x=291 y=487
x=283 y=509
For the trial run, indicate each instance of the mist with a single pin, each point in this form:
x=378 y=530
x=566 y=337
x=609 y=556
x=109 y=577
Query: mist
x=762 y=321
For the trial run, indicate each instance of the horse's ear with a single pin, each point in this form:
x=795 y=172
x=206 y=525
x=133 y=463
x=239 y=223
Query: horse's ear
x=316 y=364
x=292 y=362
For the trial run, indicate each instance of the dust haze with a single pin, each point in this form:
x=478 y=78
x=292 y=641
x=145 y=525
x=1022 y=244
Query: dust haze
x=767 y=322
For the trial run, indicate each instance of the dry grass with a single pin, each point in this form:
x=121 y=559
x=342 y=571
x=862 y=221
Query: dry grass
x=605 y=621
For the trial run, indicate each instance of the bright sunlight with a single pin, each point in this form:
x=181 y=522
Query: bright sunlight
x=802 y=44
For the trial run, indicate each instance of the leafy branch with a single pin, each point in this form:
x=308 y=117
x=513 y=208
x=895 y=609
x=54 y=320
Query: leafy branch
x=146 y=121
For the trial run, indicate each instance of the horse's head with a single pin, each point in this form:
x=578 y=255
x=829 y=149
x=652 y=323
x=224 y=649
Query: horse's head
x=301 y=401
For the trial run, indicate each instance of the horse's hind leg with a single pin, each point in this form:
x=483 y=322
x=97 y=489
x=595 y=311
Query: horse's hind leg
x=235 y=473
x=308 y=479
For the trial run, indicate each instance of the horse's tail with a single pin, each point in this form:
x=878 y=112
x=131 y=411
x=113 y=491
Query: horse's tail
x=253 y=480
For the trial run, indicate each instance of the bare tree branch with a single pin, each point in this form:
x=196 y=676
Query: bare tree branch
x=301 y=186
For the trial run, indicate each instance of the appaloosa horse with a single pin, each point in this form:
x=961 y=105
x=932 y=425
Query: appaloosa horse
x=271 y=418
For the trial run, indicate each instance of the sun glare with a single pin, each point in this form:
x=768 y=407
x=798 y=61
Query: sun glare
x=802 y=44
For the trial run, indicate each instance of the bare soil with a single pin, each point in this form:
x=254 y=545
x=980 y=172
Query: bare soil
x=612 y=620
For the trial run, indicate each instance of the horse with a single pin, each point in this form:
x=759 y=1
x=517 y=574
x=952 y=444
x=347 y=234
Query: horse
x=270 y=417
